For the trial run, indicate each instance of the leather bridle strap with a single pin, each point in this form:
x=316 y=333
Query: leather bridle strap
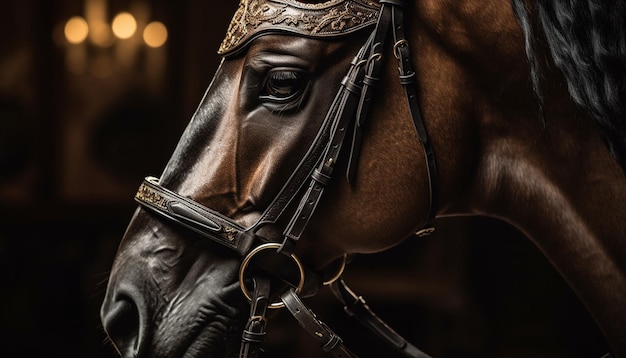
x=330 y=342
x=408 y=80
x=254 y=332
x=356 y=307
x=391 y=16
x=301 y=175
x=342 y=116
x=373 y=69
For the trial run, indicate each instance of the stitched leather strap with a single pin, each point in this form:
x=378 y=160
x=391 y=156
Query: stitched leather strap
x=408 y=80
x=373 y=68
x=356 y=307
x=329 y=341
x=254 y=332
x=341 y=116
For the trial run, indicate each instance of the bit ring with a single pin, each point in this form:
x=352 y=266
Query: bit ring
x=246 y=262
x=337 y=275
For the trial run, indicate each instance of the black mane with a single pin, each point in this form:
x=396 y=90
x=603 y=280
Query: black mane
x=587 y=42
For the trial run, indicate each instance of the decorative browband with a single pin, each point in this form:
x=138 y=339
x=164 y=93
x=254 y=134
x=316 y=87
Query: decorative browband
x=329 y=19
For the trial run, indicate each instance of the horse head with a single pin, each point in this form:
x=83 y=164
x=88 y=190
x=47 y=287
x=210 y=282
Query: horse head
x=304 y=104
x=263 y=113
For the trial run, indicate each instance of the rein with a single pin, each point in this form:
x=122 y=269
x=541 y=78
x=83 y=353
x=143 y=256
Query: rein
x=348 y=112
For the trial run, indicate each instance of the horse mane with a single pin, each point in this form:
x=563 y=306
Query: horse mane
x=587 y=42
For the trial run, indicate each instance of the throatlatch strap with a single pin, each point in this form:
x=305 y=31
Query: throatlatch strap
x=408 y=80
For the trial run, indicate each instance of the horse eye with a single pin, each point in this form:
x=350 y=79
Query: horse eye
x=283 y=85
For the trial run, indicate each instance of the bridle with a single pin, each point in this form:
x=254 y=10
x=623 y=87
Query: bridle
x=340 y=132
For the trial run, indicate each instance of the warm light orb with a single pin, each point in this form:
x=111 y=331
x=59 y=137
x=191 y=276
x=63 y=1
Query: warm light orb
x=76 y=30
x=155 y=34
x=124 y=25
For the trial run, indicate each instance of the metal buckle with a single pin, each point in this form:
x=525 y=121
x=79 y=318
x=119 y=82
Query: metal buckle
x=246 y=262
x=374 y=57
x=401 y=43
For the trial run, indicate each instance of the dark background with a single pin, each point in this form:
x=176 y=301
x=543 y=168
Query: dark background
x=77 y=135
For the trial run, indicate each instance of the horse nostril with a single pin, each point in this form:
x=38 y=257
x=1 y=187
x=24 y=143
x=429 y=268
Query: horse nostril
x=122 y=324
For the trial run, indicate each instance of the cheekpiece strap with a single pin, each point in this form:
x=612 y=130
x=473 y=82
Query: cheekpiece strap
x=333 y=18
x=254 y=332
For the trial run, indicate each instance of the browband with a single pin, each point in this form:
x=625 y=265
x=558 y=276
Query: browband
x=333 y=18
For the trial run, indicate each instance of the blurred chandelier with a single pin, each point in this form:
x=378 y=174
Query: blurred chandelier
x=105 y=46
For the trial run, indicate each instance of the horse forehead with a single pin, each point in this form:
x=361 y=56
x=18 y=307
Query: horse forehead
x=289 y=50
x=333 y=18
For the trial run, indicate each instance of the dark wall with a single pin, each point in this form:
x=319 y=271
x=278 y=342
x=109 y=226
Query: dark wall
x=74 y=145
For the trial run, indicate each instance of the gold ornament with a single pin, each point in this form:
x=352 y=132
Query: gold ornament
x=329 y=19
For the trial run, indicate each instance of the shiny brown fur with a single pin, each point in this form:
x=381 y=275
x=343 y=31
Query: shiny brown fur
x=171 y=294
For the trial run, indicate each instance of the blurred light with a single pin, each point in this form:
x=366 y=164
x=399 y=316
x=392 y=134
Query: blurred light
x=124 y=25
x=76 y=30
x=97 y=18
x=100 y=34
x=155 y=34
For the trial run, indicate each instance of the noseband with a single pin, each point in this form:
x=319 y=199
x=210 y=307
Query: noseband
x=306 y=185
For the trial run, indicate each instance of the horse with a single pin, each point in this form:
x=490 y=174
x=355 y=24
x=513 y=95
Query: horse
x=343 y=127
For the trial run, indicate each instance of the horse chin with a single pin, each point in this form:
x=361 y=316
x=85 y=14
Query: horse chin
x=196 y=327
x=212 y=343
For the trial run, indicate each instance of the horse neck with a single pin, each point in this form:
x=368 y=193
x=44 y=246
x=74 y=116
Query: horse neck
x=560 y=186
x=555 y=180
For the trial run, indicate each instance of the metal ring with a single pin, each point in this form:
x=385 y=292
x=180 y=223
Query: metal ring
x=402 y=42
x=246 y=262
x=339 y=272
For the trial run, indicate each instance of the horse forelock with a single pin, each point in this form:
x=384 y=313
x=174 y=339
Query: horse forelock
x=587 y=42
